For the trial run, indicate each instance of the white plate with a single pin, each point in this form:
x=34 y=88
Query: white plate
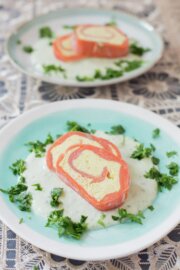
x=28 y=34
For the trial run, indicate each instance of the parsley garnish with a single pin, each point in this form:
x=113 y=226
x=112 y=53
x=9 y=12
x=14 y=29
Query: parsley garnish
x=156 y=133
x=24 y=201
x=18 y=167
x=112 y=22
x=39 y=148
x=65 y=225
x=46 y=32
x=53 y=68
x=173 y=168
x=21 y=220
x=55 y=194
x=110 y=73
x=123 y=216
x=36 y=268
x=128 y=65
x=74 y=126
x=70 y=27
x=151 y=207
x=155 y=160
x=28 y=49
x=115 y=130
x=142 y=152
x=171 y=154
x=163 y=180
x=138 y=50
x=101 y=220
x=37 y=187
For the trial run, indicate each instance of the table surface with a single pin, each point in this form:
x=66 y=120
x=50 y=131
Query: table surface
x=158 y=90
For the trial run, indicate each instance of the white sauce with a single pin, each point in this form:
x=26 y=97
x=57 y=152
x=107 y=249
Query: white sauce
x=43 y=55
x=141 y=194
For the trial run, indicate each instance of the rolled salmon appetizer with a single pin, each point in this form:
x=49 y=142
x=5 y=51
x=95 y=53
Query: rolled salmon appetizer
x=72 y=138
x=64 y=50
x=96 y=174
x=100 y=41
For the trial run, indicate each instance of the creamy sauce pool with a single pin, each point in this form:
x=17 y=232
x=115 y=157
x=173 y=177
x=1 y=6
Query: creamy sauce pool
x=141 y=194
x=43 y=55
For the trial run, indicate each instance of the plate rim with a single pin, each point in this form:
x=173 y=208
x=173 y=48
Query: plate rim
x=72 y=83
x=82 y=252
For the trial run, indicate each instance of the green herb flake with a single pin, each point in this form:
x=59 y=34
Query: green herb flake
x=18 y=167
x=65 y=225
x=110 y=73
x=142 y=152
x=151 y=208
x=116 y=130
x=173 y=168
x=124 y=216
x=18 y=42
x=69 y=27
x=112 y=22
x=129 y=65
x=21 y=220
x=37 y=187
x=38 y=147
x=155 y=160
x=24 y=201
x=53 y=68
x=138 y=50
x=171 y=154
x=101 y=220
x=36 y=268
x=163 y=180
x=28 y=49
x=156 y=133
x=46 y=32
x=56 y=193
x=74 y=126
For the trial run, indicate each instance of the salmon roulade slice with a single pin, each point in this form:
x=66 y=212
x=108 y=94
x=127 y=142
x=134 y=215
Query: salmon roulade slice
x=96 y=174
x=63 y=49
x=76 y=138
x=100 y=41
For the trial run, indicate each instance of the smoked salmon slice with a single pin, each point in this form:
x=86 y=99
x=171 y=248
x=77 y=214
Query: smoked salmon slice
x=96 y=174
x=100 y=41
x=59 y=147
x=64 y=50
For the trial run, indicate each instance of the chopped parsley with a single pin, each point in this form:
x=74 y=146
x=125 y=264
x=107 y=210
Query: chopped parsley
x=38 y=147
x=112 y=22
x=173 y=168
x=18 y=167
x=28 y=49
x=21 y=220
x=124 y=216
x=55 y=195
x=110 y=73
x=18 y=42
x=36 y=268
x=138 y=50
x=171 y=154
x=46 y=32
x=74 y=126
x=37 y=187
x=151 y=207
x=163 y=180
x=116 y=130
x=155 y=160
x=53 y=68
x=70 y=27
x=156 y=133
x=17 y=194
x=101 y=220
x=65 y=225
x=128 y=65
x=142 y=152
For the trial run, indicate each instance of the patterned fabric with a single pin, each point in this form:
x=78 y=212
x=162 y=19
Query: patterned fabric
x=157 y=90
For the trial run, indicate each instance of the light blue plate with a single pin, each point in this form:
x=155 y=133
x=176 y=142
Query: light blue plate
x=115 y=241
x=132 y=26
